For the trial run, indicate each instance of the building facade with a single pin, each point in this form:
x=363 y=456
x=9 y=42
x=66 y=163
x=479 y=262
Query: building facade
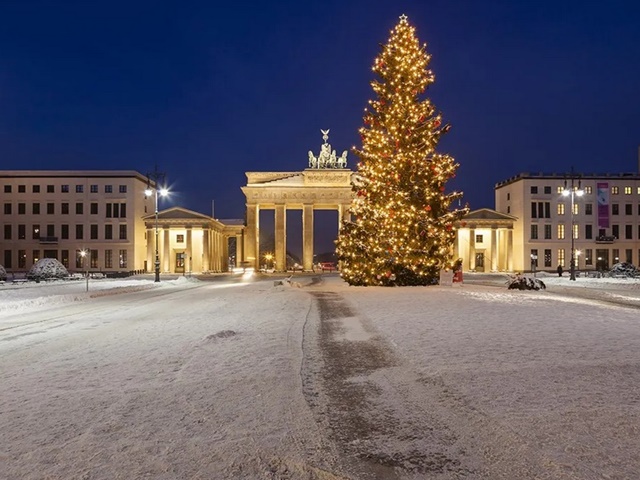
x=604 y=220
x=106 y=214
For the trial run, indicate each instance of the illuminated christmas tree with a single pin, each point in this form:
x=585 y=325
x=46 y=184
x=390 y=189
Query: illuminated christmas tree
x=403 y=227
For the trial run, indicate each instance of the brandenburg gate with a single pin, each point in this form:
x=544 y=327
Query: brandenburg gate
x=325 y=185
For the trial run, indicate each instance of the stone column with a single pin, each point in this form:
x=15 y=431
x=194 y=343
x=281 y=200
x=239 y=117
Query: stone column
x=494 y=249
x=510 y=250
x=206 y=265
x=216 y=252
x=151 y=249
x=307 y=237
x=188 y=252
x=239 y=249
x=281 y=237
x=472 y=249
x=253 y=235
x=165 y=260
x=343 y=215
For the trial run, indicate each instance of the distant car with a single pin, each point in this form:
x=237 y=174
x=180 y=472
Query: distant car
x=328 y=266
x=297 y=267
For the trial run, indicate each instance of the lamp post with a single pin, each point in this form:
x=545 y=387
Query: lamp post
x=84 y=254
x=150 y=190
x=573 y=192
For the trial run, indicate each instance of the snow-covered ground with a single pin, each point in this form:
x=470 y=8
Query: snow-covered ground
x=231 y=379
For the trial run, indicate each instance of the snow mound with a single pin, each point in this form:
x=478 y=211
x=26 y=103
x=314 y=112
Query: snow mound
x=624 y=268
x=3 y=273
x=47 y=269
x=520 y=282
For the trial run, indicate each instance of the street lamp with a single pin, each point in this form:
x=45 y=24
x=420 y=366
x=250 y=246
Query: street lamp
x=268 y=257
x=534 y=263
x=150 y=190
x=84 y=254
x=573 y=192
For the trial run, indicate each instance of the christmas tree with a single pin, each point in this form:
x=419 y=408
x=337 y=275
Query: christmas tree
x=403 y=230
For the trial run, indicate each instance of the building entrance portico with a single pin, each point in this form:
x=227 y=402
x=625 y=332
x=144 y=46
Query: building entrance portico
x=325 y=185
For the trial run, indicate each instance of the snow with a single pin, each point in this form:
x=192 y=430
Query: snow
x=239 y=378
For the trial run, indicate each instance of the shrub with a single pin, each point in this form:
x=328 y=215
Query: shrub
x=520 y=282
x=47 y=269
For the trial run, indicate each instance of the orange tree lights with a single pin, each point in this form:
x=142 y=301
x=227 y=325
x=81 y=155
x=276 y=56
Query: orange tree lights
x=404 y=227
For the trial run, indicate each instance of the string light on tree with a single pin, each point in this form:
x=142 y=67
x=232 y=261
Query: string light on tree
x=403 y=229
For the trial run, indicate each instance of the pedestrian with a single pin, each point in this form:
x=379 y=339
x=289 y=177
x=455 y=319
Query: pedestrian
x=560 y=270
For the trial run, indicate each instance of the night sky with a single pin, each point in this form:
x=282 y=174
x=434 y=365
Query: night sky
x=210 y=90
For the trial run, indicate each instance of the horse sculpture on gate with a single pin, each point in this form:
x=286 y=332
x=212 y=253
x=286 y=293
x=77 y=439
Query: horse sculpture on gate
x=327 y=157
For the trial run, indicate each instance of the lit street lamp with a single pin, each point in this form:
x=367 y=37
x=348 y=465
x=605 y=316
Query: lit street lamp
x=150 y=190
x=573 y=192
x=84 y=254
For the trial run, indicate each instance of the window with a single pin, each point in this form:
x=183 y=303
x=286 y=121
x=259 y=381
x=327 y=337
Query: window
x=64 y=208
x=50 y=189
x=36 y=256
x=560 y=231
x=615 y=231
x=94 y=208
x=7 y=232
x=628 y=209
x=547 y=190
x=508 y=209
x=588 y=208
x=116 y=210
x=588 y=256
x=615 y=190
x=123 y=259
x=560 y=189
x=79 y=259
x=79 y=188
x=94 y=258
x=65 y=258
x=627 y=190
x=7 y=189
x=561 y=209
x=51 y=230
x=35 y=189
x=588 y=190
x=108 y=232
x=534 y=257
x=575 y=232
x=547 y=257
x=64 y=232
x=508 y=196
x=561 y=257
x=108 y=215
x=108 y=259
x=79 y=208
x=534 y=210
x=628 y=232
x=79 y=232
x=22 y=232
x=35 y=209
x=588 y=232
x=627 y=255
x=22 y=188
x=180 y=237
x=50 y=208
x=534 y=232
x=547 y=209
x=22 y=259
x=94 y=232
x=108 y=189
x=64 y=188
x=479 y=238
x=534 y=190
x=123 y=210
x=615 y=209
x=616 y=255
x=35 y=233
x=123 y=232
x=7 y=259
x=122 y=189
x=93 y=189
x=7 y=209
x=547 y=231
x=22 y=208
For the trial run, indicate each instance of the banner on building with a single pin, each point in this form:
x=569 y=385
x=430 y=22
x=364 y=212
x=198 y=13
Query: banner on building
x=603 y=205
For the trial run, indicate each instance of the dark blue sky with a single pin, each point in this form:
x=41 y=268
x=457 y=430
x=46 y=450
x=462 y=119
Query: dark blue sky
x=209 y=90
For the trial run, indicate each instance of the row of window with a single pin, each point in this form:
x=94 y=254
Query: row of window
x=112 y=210
x=93 y=259
x=37 y=234
x=588 y=190
x=65 y=188
x=543 y=209
x=601 y=258
x=588 y=232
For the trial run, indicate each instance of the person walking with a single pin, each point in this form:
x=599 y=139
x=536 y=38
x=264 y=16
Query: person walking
x=559 y=270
